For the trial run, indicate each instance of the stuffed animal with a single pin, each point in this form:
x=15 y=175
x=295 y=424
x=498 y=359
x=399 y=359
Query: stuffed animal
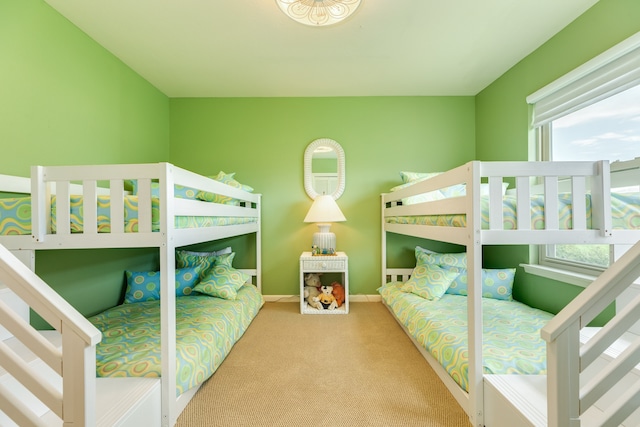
x=338 y=293
x=312 y=290
x=327 y=299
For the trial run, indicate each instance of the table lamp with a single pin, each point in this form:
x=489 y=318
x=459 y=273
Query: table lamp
x=324 y=211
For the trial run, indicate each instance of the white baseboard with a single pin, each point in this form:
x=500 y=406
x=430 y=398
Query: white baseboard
x=295 y=298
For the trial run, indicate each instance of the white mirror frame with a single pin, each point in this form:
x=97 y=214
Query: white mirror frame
x=308 y=176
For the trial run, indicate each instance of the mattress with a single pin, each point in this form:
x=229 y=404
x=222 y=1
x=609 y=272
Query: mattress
x=625 y=209
x=206 y=330
x=15 y=216
x=511 y=332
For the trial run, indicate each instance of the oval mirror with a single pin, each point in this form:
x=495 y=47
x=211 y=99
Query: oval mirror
x=324 y=168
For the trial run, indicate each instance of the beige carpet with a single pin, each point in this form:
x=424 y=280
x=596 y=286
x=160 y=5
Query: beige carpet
x=290 y=369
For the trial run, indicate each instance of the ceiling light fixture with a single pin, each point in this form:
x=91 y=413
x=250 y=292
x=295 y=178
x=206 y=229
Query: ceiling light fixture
x=318 y=13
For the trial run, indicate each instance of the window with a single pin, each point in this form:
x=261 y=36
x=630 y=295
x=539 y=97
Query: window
x=608 y=130
x=592 y=113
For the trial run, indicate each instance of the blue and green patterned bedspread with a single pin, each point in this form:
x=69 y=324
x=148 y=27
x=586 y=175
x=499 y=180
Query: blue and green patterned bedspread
x=15 y=216
x=511 y=332
x=625 y=213
x=206 y=330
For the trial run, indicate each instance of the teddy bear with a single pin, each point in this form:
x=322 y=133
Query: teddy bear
x=338 y=293
x=312 y=290
x=327 y=299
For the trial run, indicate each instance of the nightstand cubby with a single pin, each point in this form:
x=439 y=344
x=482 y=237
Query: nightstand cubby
x=329 y=266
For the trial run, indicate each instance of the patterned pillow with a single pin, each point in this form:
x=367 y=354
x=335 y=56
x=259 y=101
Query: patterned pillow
x=416 y=176
x=206 y=260
x=206 y=196
x=145 y=286
x=424 y=197
x=227 y=178
x=222 y=281
x=496 y=283
x=218 y=198
x=429 y=281
x=451 y=260
x=178 y=190
x=225 y=259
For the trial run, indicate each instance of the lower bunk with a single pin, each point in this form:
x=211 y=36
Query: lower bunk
x=206 y=330
x=430 y=304
x=215 y=304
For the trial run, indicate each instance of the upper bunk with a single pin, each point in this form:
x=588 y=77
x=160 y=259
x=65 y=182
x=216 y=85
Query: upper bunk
x=82 y=207
x=548 y=203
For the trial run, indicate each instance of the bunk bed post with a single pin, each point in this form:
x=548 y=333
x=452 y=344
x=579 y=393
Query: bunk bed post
x=167 y=297
x=259 y=246
x=383 y=262
x=40 y=204
x=474 y=299
x=78 y=381
x=601 y=198
x=563 y=405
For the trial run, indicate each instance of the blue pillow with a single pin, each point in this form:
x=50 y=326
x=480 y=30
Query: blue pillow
x=496 y=283
x=145 y=285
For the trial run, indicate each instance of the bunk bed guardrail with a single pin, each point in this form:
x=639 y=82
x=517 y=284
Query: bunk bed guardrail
x=75 y=363
x=95 y=180
x=567 y=396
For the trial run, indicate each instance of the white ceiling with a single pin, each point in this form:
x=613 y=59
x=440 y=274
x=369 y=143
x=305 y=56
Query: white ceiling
x=249 y=48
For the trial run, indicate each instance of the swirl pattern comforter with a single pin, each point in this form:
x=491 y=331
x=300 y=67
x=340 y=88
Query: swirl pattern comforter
x=15 y=216
x=511 y=332
x=206 y=330
x=625 y=211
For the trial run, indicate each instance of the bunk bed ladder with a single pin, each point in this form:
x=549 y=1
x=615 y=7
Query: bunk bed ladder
x=577 y=382
x=71 y=395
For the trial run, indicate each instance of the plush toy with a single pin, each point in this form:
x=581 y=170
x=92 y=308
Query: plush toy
x=327 y=299
x=312 y=290
x=338 y=293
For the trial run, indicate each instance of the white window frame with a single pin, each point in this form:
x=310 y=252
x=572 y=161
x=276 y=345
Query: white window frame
x=611 y=72
x=545 y=142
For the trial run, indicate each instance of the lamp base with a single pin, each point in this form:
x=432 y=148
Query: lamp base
x=324 y=240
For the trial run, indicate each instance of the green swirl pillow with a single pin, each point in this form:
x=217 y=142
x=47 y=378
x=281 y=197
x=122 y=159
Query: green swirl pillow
x=429 y=281
x=179 y=191
x=407 y=176
x=222 y=281
x=205 y=260
x=145 y=285
x=451 y=260
x=228 y=179
x=225 y=178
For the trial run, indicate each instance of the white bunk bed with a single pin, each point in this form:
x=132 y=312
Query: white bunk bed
x=482 y=198
x=164 y=221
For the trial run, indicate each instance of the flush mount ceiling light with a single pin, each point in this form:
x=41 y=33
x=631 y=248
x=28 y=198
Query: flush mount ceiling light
x=318 y=13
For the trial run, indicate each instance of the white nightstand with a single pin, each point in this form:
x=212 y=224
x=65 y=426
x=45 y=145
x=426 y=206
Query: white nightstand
x=326 y=264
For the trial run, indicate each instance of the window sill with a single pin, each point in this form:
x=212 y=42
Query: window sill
x=577 y=279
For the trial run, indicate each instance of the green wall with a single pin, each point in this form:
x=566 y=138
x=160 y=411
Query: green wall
x=502 y=116
x=65 y=100
x=263 y=140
